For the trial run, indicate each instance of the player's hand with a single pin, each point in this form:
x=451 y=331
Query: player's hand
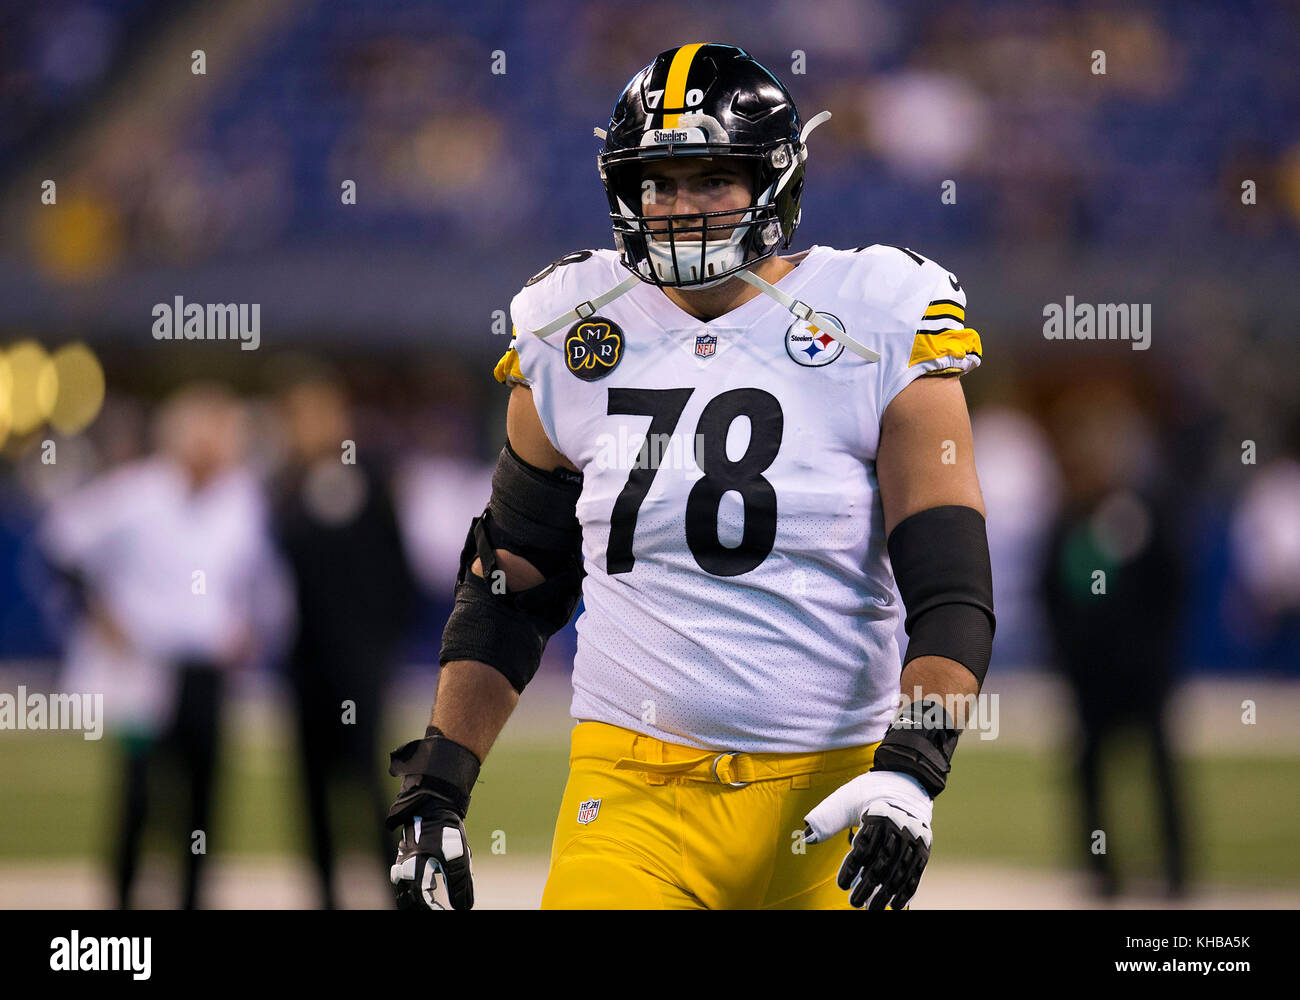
x=433 y=854
x=892 y=845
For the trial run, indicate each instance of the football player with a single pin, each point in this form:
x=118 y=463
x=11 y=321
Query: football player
x=730 y=456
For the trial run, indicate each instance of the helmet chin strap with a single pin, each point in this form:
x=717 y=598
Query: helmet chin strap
x=813 y=122
x=590 y=307
x=800 y=309
x=805 y=312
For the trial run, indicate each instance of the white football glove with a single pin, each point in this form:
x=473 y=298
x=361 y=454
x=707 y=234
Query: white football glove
x=889 y=852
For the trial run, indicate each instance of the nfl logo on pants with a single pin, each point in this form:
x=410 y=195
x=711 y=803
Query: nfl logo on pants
x=587 y=810
x=705 y=345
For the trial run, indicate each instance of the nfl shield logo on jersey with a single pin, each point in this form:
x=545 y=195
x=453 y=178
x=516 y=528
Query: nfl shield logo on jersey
x=705 y=345
x=587 y=811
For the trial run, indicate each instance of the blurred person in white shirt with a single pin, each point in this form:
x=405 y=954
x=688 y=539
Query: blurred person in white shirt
x=1265 y=540
x=170 y=559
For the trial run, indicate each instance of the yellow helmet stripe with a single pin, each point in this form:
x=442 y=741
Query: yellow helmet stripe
x=675 y=88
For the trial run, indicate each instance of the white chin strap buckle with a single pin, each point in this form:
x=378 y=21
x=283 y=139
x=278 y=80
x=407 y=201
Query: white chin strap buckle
x=805 y=312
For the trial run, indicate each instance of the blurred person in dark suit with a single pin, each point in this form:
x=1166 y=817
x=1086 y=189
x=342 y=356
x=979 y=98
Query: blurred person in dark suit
x=335 y=524
x=1113 y=593
x=168 y=556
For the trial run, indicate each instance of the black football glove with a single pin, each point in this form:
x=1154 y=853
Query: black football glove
x=890 y=850
x=893 y=806
x=437 y=775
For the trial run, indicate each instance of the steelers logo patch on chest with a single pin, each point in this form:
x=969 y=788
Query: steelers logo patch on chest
x=593 y=348
x=812 y=342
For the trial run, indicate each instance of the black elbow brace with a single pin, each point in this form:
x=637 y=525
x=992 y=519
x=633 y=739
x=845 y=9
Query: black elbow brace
x=941 y=562
x=531 y=513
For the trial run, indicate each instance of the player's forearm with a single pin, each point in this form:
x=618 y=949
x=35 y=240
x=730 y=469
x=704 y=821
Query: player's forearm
x=474 y=701
x=940 y=678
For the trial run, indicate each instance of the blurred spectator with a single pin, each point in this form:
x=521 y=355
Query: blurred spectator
x=1020 y=483
x=172 y=563
x=1113 y=589
x=926 y=125
x=1265 y=538
x=335 y=523
x=443 y=484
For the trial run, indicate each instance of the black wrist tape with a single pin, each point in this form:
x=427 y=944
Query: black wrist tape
x=920 y=743
x=432 y=769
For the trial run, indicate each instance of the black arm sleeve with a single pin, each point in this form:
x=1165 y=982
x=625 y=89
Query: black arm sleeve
x=941 y=562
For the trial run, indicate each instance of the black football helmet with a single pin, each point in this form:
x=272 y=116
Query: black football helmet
x=704 y=100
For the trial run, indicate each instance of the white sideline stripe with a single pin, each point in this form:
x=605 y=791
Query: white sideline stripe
x=516 y=884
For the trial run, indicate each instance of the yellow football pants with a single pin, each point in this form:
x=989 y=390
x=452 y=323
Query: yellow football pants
x=646 y=824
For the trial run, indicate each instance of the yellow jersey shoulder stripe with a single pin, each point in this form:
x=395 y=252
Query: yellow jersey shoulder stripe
x=945 y=309
x=507 y=371
x=949 y=343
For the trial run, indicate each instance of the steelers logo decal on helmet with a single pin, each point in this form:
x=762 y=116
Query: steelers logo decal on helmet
x=593 y=348
x=812 y=342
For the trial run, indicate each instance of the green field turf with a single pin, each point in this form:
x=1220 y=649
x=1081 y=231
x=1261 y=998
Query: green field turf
x=1004 y=805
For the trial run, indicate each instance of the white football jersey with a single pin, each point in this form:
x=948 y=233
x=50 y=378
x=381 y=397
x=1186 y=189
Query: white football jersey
x=738 y=593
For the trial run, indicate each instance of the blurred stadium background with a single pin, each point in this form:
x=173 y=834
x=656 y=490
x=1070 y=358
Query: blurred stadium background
x=226 y=187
